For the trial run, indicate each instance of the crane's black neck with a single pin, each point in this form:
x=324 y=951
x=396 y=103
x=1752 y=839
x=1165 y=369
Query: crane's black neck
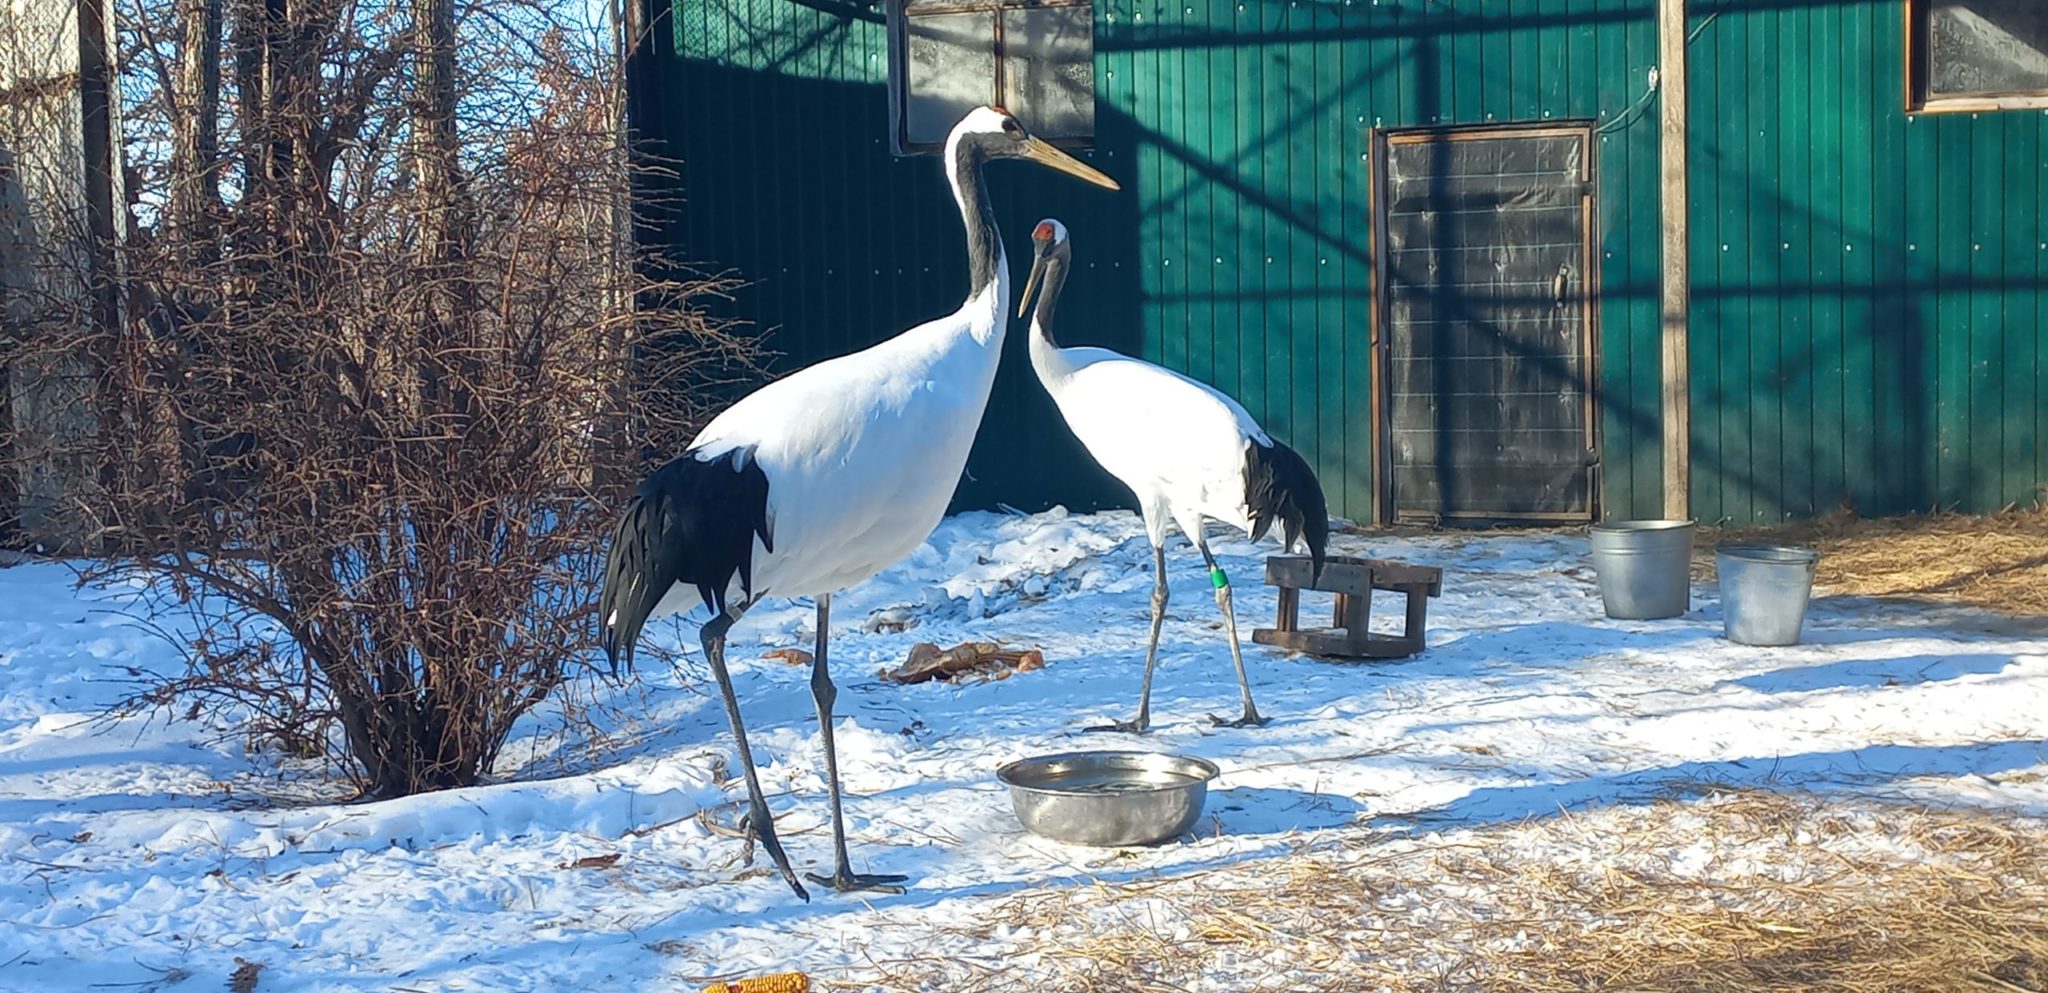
x=1050 y=281
x=984 y=242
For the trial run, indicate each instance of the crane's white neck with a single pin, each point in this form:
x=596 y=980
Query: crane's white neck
x=1048 y=360
x=1051 y=362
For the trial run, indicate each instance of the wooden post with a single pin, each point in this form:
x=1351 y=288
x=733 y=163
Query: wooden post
x=1672 y=206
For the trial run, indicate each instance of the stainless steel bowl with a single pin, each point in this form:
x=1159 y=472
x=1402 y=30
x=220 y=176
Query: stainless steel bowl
x=1108 y=799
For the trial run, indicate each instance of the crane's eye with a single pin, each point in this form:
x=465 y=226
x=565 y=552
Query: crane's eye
x=1013 y=129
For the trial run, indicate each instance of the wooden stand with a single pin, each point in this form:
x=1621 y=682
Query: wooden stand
x=1353 y=580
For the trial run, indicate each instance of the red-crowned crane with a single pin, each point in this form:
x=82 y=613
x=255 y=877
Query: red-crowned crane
x=826 y=477
x=1188 y=452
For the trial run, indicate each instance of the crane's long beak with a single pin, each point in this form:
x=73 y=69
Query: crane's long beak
x=1031 y=282
x=1040 y=150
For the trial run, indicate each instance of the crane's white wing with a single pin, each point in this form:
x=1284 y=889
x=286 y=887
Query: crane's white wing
x=863 y=452
x=1163 y=434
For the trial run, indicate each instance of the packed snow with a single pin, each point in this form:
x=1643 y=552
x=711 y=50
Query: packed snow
x=144 y=852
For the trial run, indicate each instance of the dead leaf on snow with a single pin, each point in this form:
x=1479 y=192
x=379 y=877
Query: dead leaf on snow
x=244 y=978
x=793 y=656
x=983 y=659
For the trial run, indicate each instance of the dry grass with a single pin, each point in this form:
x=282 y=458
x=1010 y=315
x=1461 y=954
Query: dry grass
x=1998 y=561
x=1740 y=891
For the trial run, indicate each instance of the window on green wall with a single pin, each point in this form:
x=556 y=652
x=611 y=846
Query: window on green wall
x=1976 y=54
x=1035 y=58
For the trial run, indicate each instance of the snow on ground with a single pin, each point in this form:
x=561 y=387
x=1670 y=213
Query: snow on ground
x=135 y=854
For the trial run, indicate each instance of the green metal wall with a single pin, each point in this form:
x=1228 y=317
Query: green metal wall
x=1870 y=329
x=1868 y=298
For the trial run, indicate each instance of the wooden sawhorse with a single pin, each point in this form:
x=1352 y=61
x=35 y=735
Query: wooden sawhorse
x=1353 y=580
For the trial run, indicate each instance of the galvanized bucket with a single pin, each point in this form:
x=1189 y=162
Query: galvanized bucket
x=1645 y=568
x=1764 y=591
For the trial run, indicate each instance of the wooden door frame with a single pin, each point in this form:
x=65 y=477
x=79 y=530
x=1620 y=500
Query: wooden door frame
x=1384 y=138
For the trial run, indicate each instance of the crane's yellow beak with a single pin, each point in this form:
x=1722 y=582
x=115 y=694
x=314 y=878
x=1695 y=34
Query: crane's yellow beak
x=1044 y=152
x=1031 y=282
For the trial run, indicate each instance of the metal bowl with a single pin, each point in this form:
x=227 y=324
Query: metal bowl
x=1108 y=799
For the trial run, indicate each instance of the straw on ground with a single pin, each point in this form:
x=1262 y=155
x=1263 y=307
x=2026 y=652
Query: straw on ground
x=1737 y=890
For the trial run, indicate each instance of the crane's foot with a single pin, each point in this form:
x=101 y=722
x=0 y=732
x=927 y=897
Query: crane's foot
x=759 y=825
x=847 y=881
x=1250 y=719
x=1138 y=725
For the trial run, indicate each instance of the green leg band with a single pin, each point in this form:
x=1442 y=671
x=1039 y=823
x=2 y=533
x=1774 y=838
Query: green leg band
x=1218 y=579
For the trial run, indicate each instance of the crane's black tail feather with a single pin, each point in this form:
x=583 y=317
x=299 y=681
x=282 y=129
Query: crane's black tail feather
x=1279 y=485
x=690 y=521
x=632 y=574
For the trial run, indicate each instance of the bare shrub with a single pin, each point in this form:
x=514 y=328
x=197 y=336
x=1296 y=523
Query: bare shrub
x=381 y=374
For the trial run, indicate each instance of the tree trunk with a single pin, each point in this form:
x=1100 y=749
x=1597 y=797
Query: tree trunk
x=195 y=181
x=619 y=435
x=249 y=114
x=436 y=144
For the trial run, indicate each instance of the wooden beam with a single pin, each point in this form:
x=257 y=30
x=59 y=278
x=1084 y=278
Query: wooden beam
x=1671 y=156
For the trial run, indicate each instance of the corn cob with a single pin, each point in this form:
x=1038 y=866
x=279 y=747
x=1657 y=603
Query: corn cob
x=781 y=982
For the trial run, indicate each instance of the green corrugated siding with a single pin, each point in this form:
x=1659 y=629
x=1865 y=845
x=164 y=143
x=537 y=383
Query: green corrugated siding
x=1868 y=288
x=1867 y=284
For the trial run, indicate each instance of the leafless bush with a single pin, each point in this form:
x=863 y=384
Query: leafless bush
x=380 y=376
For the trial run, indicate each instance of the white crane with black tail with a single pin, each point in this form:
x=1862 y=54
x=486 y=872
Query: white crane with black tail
x=1187 y=451
x=821 y=479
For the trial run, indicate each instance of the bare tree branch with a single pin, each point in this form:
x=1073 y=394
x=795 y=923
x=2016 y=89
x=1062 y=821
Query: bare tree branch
x=383 y=373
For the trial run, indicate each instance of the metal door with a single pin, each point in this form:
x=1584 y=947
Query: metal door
x=1485 y=323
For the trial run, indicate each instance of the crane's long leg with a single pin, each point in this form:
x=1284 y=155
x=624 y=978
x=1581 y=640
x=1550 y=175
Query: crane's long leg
x=1250 y=717
x=843 y=878
x=1140 y=723
x=760 y=822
